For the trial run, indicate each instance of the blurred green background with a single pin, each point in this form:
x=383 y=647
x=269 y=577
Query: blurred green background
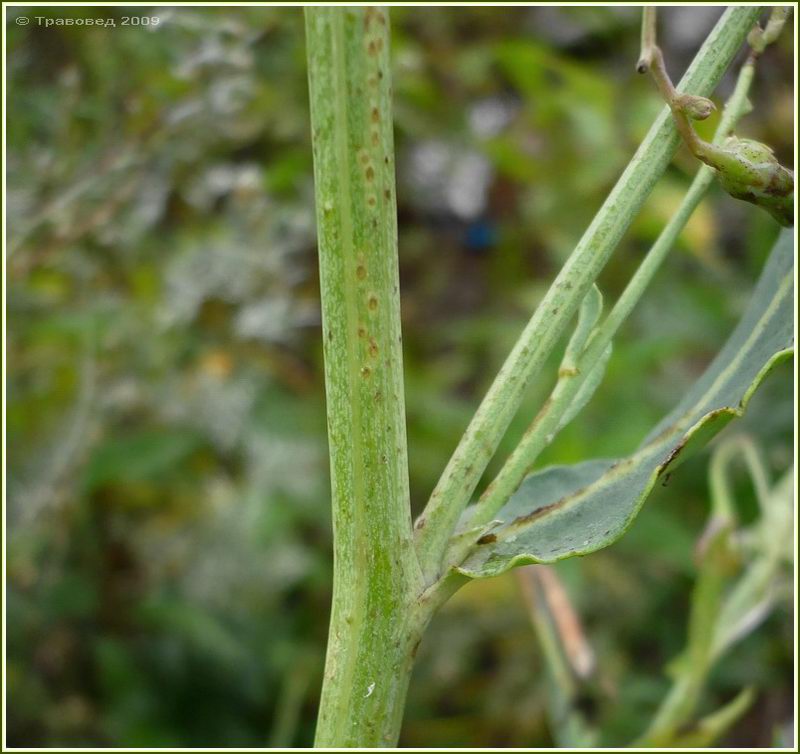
x=169 y=548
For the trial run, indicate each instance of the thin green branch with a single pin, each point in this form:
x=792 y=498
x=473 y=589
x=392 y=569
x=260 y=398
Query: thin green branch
x=648 y=38
x=547 y=423
x=554 y=313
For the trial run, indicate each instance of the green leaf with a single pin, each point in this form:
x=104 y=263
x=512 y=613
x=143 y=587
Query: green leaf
x=587 y=389
x=564 y=511
x=588 y=315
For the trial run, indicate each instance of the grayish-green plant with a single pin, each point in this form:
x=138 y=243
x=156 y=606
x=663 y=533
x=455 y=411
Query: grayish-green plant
x=389 y=575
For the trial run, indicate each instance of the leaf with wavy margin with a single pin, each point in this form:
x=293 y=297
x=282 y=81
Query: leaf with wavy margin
x=564 y=511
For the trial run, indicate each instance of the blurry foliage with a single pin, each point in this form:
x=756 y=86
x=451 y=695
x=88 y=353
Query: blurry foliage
x=169 y=547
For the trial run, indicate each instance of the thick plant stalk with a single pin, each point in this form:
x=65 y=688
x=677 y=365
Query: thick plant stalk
x=373 y=629
x=554 y=313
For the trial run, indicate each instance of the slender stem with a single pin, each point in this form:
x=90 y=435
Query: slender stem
x=552 y=316
x=545 y=425
x=684 y=105
x=679 y=704
x=721 y=495
x=376 y=572
x=652 y=60
x=648 y=38
x=568 y=725
x=751 y=598
x=671 y=96
x=760 y=38
x=778 y=17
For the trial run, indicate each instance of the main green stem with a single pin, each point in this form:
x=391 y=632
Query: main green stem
x=554 y=313
x=375 y=623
